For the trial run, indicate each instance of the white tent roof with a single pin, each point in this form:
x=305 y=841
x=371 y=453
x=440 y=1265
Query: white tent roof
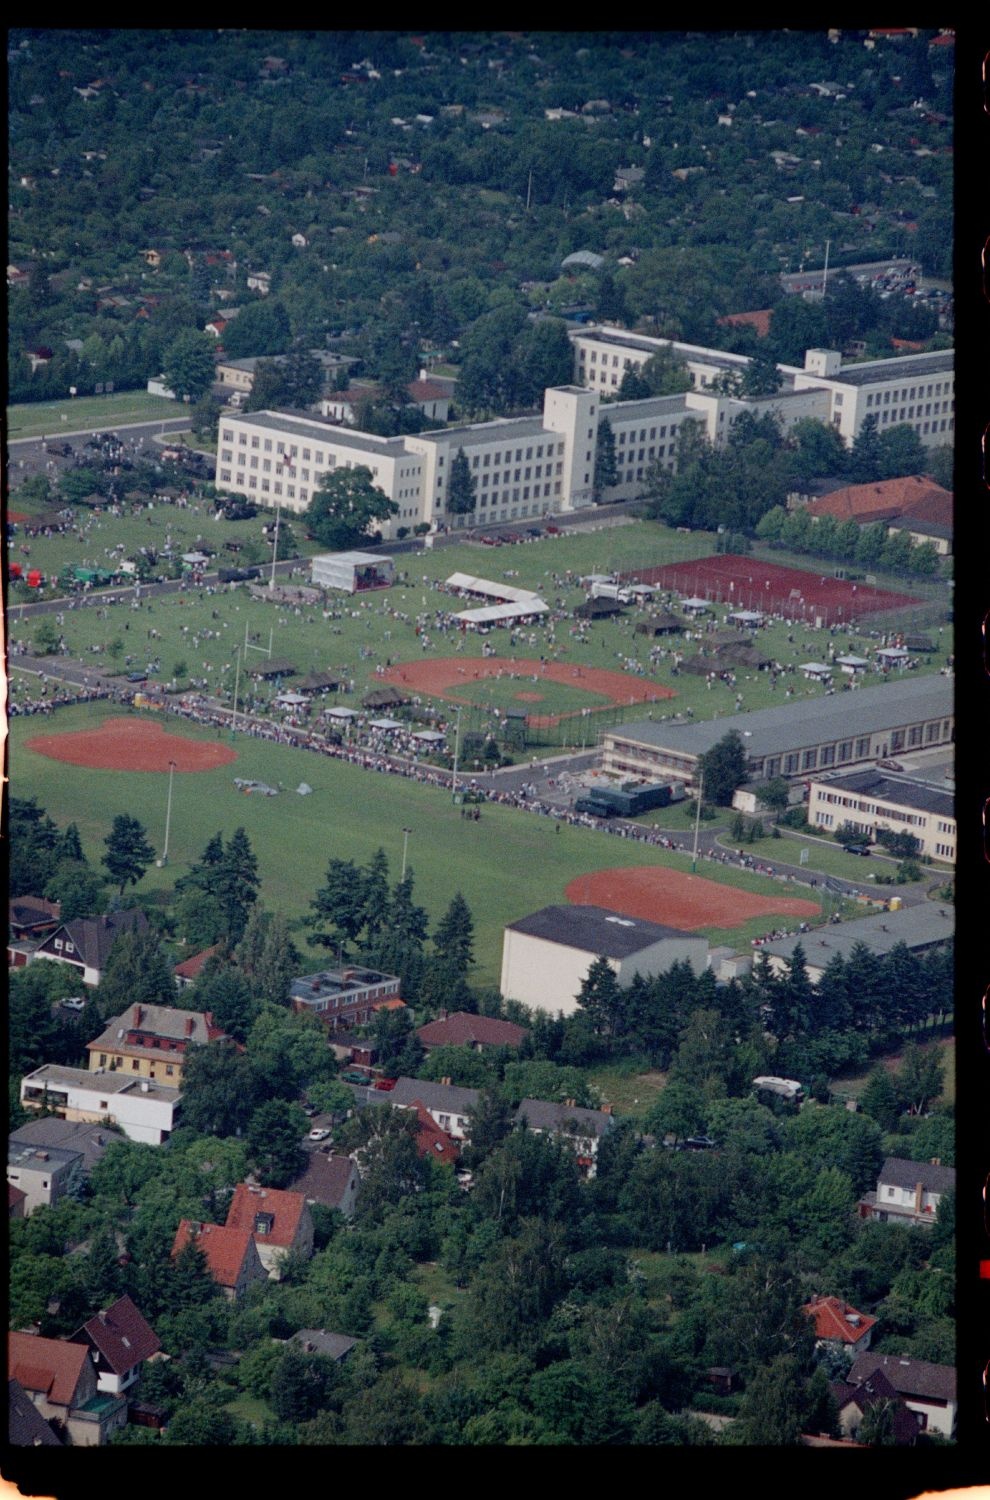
x=340 y=713
x=487 y=588
x=291 y=700
x=494 y=613
x=852 y=661
x=642 y=588
x=385 y=724
x=431 y=736
x=816 y=668
x=745 y=614
x=698 y=604
x=896 y=653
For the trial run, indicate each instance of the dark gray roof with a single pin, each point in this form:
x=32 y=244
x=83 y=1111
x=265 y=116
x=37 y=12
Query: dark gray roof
x=441 y=1096
x=325 y=1179
x=922 y=926
x=93 y=937
x=39 y=1158
x=26 y=1427
x=897 y=1171
x=896 y=789
x=319 y=1341
x=903 y=367
x=911 y=1378
x=313 y=430
x=543 y=1114
x=821 y=720
x=592 y=929
x=72 y=1135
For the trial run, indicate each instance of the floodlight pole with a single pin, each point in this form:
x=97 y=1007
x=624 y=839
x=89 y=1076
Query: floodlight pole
x=271 y=581
x=405 y=846
x=457 y=747
x=237 y=680
x=697 y=821
x=168 y=815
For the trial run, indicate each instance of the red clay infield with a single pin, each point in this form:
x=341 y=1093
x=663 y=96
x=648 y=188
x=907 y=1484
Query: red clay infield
x=437 y=677
x=675 y=900
x=747 y=583
x=132 y=745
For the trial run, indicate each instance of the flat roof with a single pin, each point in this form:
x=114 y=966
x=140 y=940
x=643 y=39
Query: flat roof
x=903 y=792
x=505 y=429
x=319 y=431
x=769 y=731
x=873 y=371
x=55 y=1076
x=917 y=926
x=595 y=930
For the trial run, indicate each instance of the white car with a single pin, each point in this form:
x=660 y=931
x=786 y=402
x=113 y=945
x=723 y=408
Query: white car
x=319 y=1135
x=74 y=1004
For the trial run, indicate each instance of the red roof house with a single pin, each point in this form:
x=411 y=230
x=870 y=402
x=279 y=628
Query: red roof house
x=838 y=1323
x=278 y=1221
x=120 y=1340
x=882 y=501
x=231 y=1256
x=462 y=1029
x=190 y=969
x=431 y=1140
x=759 y=320
x=59 y=1378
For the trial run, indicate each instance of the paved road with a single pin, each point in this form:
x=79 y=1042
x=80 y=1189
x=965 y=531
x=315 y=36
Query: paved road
x=26 y=456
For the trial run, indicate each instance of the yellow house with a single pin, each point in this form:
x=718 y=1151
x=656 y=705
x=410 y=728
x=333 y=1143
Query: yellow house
x=152 y=1041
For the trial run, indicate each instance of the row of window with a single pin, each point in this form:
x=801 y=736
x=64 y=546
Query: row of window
x=492 y=460
x=534 y=471
x=884 y=398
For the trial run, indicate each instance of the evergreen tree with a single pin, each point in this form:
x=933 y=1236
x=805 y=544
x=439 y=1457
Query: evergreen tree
x=128 y=851
x=461 y=486
x=879 y=1099
x=606 y=468
x=338 y=907
x=865 y=458
x=375 y=895
x=601 y=998
x=137 y=971
x=723 y=768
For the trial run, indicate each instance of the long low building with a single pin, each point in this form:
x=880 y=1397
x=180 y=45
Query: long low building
x=546 y=956
x=873 y=801
x=143 y=1110
x=797 y=738
x=920 y=928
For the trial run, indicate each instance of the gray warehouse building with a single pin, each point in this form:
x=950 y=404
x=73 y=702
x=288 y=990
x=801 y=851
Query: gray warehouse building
x=798 y=738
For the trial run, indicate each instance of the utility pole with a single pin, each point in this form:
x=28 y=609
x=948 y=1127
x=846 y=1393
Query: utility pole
x=271 y=581
x=825 y=275
x=168 y=815
x=405 y=845
x=457 y=747
x=237 y=679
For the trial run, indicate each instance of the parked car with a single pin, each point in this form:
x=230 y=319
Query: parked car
x=385 y=1084
x=137 y=677
x=553 y=531
x=318 y=1134
x=699 y=1143
x=75 y=1003
x=857 y=848
x=353 y=1076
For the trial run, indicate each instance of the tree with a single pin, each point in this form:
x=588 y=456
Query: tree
x=345 y=506
x=274 y=1135
x=262 y=327
x=865 y=457
x=920 y=1078
x=461 y=486
x=235 y=883
x=680 y=1110
x=775 y=794
x=723 y=768
x=128 y=851
x=606 y=468
x=901 y=451
x=219 y=1090
x=761 y=376
x=78 y=889
x=771 y=1411
x=490 y=1121
x=225 y=993
x=879 y=1099
x=188 y=367
x=601 y=998
x=338 y=906
x=267 y=956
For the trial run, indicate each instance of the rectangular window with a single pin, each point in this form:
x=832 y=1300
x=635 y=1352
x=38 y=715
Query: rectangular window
x=790 y=764
x=268 y=445
x=845 y=750
x=863 y=746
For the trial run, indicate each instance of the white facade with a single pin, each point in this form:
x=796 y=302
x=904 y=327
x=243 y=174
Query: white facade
x=548 y=975
x=831 y=805
x=144 y=1111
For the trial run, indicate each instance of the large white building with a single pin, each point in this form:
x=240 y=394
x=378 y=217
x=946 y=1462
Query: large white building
x=543 y=465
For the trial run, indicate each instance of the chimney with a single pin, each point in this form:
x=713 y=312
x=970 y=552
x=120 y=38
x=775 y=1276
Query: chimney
x=569 y=1104
x=102 y=1315
x=138 y=1013
x=190 y=1025
x=606 y=1109
x=936 y=1161
x=919 y=1193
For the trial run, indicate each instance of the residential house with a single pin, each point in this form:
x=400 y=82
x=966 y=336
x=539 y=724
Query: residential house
x=279 y=1222
x=232 y=1257
x=119 y=1340
x=31 y=919
x=44 y=1174
x=927 y=1390
x=432 y=1140
x=143 y=1110
x=335 y=1346
x=26 y=1427
x=462 y=1029
x=448 y=1106
x=581 y=1128
x=260 y=281
x=91 y=1141
x=908 y=1192
x=85 y=942
x=331 y=1180
x=60 y=1380
x=151 y=1041
x=190 y=969
x=855 y=1399
x=344 y=997
x=838 y=1323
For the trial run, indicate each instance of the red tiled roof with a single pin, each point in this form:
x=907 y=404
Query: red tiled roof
x=430 y=1139
x=831 y=1317
x=15 y=1195
x=223 y=1246
x=759 y=320
x=190 y=967
x=462 y=1029
x=881 y=501
x=426 y=390
x=913 y=346
x=121 y=1335
x=286 y=1207
x=394 y=1004
x=52 y=1367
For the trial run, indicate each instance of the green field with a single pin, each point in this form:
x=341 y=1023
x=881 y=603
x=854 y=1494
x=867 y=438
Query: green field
x=824 y=857
x=507 y=864
x=381 y=629
x=35 y=418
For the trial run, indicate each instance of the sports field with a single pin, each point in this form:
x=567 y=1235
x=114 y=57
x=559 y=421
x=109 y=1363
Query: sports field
x=747 y=583
x=507 y=864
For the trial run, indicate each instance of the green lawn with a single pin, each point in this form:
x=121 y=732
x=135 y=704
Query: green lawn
x=507 y=864
x=824 y=857
x=631 y=1094
x=251 y=1409
x=852 y=1085
x=34 y=418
